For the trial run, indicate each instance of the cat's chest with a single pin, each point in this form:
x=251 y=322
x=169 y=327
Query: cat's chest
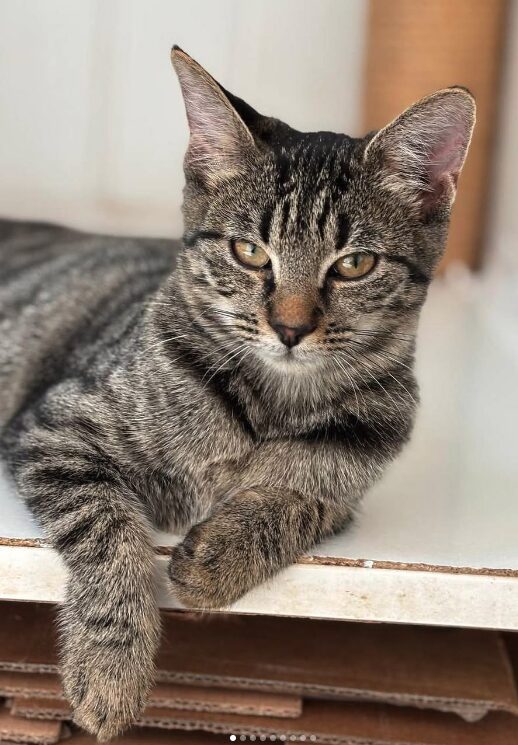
x=210 y=437
x=215 y=435
x=208 y=474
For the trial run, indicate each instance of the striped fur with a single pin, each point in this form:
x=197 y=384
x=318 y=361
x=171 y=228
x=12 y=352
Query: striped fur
x=133 y=396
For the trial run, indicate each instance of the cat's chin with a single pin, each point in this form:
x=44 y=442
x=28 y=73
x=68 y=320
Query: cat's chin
x=289 y=361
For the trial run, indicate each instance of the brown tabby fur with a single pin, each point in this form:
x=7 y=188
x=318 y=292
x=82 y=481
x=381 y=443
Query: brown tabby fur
x=134 y=396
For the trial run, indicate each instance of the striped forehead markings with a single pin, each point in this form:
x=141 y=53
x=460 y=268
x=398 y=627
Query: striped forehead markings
x=266 y=224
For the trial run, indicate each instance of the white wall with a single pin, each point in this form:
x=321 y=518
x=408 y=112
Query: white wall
x=503 y=234
x=501 y=285
x=92 y=127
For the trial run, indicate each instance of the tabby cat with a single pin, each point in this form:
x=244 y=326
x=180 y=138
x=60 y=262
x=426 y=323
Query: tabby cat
x=249 y=397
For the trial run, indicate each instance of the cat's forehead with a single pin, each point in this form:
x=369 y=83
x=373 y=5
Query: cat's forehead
x=307 y=209
x=297 y=201
x=311 y=161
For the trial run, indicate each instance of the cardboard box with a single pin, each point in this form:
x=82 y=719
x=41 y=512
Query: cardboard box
x=21 y=730
x=153 y=737
x=459 y=670
x=322 y=722
x=166 y=695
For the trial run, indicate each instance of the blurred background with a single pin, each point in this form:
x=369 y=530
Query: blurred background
x=92 y=127
x=93 y=131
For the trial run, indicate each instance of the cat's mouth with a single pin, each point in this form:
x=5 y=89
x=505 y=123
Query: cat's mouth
x=295 y=359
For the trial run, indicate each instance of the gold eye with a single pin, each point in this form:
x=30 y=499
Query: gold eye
x=250 y=255
x=354 y=265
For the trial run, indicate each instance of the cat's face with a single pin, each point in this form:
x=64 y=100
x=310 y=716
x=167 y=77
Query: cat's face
x=307 y=249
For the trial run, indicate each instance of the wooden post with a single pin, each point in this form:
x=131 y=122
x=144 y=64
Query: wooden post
x=415 y=47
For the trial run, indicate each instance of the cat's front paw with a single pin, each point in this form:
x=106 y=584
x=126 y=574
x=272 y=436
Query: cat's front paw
x=106 y=699
x=101 y=704
x=209 y=568
x=105 y=682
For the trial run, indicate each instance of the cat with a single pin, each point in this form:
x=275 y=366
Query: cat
x=249 y=397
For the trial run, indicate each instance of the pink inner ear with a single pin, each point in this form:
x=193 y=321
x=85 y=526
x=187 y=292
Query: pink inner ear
x=446 y=157
x=443 y=166
x=423 y=150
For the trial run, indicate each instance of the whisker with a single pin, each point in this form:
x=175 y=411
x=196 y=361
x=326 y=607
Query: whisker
x=226 y=359
x=354 y=387
x=344 y=334
x=237 y=316
x=381 y=353
x=387 y=372
x=383 y=332
x=361 y=364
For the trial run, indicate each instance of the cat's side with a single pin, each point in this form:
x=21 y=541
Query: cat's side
x=250 y=396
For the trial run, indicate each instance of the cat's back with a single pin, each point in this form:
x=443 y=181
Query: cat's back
x=62 y=291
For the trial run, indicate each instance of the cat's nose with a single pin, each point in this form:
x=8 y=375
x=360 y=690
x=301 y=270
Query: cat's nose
x=292 y=335
x=293 y=315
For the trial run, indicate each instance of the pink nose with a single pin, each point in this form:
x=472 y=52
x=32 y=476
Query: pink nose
x=292 y=335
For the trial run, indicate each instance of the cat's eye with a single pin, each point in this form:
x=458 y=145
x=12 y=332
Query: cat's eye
x=354 y=266
x=250 y=254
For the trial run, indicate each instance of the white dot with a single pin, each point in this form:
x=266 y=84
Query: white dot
x=232 y=738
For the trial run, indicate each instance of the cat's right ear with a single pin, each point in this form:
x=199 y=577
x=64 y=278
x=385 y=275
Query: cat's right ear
x=220 y=144
x=421 y=153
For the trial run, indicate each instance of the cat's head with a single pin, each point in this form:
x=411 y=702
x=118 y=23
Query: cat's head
x=307 y=248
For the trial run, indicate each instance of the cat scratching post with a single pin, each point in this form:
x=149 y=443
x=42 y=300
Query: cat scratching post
x=415 y=48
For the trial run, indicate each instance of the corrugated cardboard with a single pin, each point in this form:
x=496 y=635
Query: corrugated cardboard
x=35 y=648
x=511 y=642
x=460 y=670
x=153 y=737
x=18 y=729
x=324 y=722
x=231 y=701
x=166 y=695
x=141 y=736
x=29 y=684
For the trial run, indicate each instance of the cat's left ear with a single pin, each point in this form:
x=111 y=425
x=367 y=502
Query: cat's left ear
x=220 y=143
x=421 y=153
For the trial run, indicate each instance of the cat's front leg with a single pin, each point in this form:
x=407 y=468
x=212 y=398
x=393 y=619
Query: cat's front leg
x=246 y=541
x=109 y=621
x=289 y=496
